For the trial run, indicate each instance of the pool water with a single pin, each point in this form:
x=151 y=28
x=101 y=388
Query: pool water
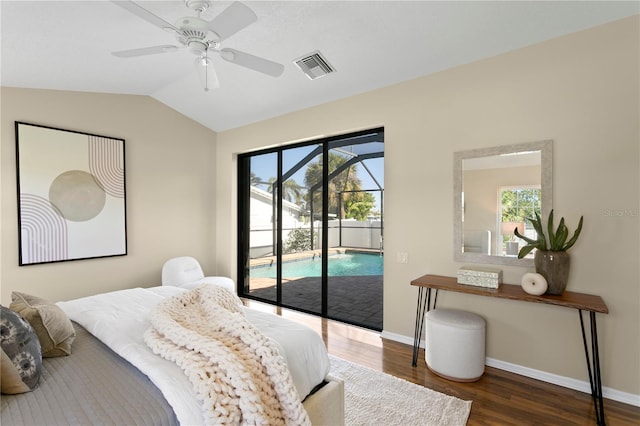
x=340 y=265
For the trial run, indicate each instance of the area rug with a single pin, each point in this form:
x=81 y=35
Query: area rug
x=374 y=398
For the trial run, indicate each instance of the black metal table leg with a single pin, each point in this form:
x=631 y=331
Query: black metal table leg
x=593 y=366
x=423 y=303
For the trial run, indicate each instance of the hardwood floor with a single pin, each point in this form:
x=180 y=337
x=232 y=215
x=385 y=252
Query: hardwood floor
x=499 y=397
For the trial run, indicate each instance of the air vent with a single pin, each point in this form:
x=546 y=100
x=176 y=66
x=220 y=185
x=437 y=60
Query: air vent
x=314 y=65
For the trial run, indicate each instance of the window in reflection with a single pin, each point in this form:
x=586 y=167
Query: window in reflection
x=517 y=204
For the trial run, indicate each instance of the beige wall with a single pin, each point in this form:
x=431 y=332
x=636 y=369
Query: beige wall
x=581 y=91
x=170 y=163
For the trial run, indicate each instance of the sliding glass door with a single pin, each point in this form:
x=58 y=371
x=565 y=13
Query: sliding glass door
x=301 y=243
x=262 y=225
x=310 y=228
x=354 y=228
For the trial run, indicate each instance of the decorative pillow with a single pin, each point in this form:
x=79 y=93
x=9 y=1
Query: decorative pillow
x=21 y=363
x=53 y=327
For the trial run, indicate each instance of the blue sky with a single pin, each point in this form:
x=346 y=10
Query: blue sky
x=265 y=167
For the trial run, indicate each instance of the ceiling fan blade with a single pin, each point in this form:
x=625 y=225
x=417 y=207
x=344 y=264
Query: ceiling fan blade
x=146 y=15
x=132 y=53
x=232 y=19
x=255 y=63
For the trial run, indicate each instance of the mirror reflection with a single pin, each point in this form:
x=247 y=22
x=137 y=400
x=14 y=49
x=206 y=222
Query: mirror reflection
x=501 y=192
x=498 y=188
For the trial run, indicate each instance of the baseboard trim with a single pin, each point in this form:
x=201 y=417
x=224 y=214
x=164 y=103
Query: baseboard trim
x=567 y=382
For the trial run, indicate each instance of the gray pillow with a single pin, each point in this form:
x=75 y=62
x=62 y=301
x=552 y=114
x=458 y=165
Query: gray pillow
x=21 y=364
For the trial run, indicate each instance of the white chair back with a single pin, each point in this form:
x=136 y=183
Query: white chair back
x=181 y=270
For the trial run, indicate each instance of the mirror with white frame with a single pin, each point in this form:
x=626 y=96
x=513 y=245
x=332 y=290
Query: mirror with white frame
x=495 y=190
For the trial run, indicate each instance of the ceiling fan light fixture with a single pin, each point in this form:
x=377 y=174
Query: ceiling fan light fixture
x=197 y=47
x=206 y=72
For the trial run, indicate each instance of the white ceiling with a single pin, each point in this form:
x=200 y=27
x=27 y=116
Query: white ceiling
x=66 y=45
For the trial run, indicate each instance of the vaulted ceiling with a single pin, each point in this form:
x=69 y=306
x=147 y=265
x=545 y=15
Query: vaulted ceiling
x=67 y=45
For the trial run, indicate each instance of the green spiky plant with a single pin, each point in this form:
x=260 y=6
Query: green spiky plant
x=557 y=240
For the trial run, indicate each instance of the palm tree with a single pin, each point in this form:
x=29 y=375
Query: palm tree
x=254 y=180
x=347 y=180
x=291 y=190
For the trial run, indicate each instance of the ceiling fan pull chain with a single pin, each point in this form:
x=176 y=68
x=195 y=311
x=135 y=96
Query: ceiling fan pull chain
x=206 y=70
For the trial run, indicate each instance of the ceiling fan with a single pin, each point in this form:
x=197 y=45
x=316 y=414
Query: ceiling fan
x=203 y=37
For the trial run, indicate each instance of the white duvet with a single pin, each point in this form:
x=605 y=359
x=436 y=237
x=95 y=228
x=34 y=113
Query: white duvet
x=120 y=318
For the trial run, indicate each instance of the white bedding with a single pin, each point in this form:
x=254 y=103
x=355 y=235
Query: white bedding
x=120 y=318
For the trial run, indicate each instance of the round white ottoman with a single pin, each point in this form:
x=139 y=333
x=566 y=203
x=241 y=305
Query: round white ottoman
x=455 y=344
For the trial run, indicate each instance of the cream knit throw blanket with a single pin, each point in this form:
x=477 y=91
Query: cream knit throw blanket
x=238 y=374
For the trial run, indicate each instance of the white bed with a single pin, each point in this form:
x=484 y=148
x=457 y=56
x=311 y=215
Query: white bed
x=119 y=319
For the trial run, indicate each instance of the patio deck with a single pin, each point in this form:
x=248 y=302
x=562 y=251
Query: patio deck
x=352 y=299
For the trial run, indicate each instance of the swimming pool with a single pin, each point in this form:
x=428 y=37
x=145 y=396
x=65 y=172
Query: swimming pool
x=340 y=265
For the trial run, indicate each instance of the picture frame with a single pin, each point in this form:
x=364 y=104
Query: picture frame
x=71 y=195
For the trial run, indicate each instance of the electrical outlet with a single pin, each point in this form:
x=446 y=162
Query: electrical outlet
x=403 y=257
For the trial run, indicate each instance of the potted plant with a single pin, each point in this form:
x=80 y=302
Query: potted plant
x=551 y=258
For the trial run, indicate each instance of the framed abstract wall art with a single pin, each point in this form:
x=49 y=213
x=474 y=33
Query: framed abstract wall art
x=71 y=195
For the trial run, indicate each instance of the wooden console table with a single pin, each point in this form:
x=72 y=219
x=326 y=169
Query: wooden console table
x=579 y=301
